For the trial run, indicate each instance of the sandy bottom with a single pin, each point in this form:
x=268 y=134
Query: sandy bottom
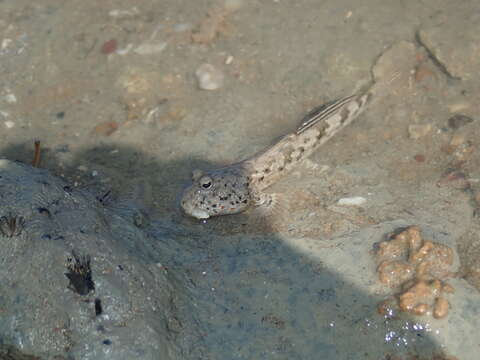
x=111 y=90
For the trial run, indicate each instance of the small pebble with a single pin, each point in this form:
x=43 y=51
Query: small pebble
x=454 y=108
x=109 y=46
x=416 y=131
x=107 y=342
x=117 y=13
x=9 y=124
x=208 y=77
x=422 y=72
x=6 y=43
x=229 y=60
x=10 y=98
x=106 y=129
x=459 y=120
x=60 y=115
x=457 y=140
x=352 y=201
x=419 y=158
x=149 y=48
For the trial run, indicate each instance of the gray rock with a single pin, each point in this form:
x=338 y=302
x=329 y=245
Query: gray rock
x=299 y=297
x=209 y=77
x=129 y=313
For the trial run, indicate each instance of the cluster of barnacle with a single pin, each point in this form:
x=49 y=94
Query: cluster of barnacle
x=11 y=225
x=79 y=271
x=80 y=274
x=78 y=266
x=417 y=268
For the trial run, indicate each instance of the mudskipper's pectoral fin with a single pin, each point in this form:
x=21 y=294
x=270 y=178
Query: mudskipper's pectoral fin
x=270 y=205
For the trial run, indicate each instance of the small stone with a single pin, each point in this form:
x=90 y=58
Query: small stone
x=9 y=124
x=229 y=60
x=419 y=158
x=459 y=106
x=60 y=115
x=352 y=201
x=416 y=131
x=459 y=120
x=208 y=77
x=457 y=140
x=422 y=72
x=106 y=128
x=117 y=13
x=109 y=47
x=11 y=98
x=6 y=43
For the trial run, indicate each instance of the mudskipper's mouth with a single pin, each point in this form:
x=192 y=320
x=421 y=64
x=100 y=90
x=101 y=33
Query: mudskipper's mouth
x=195 y=212
x=189 y=208
x=199 y=214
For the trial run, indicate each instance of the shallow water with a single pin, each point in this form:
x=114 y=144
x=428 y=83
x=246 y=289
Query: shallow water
x=297 y=287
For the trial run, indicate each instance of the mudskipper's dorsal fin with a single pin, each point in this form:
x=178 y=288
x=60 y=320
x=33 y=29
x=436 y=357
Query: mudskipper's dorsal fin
x=321 y=112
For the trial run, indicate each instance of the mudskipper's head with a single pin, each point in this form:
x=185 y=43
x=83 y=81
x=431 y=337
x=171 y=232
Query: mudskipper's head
x=222 y=192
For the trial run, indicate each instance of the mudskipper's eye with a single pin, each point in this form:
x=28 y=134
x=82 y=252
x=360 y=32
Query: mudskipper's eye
x=206 y=182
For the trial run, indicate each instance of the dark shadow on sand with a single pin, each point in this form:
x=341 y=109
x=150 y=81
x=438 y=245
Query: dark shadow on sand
x=251 y=295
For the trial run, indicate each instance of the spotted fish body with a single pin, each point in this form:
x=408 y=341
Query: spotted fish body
x=235 y=188
x=220 y=192
x=317 y=127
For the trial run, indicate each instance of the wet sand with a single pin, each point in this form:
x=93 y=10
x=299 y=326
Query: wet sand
x=111 y=91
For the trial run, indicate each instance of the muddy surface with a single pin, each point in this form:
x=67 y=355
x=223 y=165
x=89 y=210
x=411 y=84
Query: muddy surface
x=119 y=96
